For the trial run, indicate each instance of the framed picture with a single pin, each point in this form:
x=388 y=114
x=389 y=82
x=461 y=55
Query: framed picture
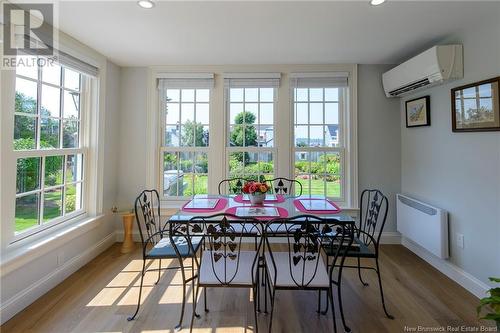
x=418 y=112
x=474 y=107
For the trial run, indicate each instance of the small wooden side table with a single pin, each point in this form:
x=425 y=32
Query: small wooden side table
x=128 y=225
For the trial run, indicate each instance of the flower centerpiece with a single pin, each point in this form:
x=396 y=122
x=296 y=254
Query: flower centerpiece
x=256 y=192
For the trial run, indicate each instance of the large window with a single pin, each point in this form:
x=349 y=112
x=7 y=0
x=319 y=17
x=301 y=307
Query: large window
x=319 y=140
x=250 y=131
x=185 y=140
x=252 y=125
x=48 y=145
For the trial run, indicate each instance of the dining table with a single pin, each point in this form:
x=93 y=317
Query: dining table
x=287 y=207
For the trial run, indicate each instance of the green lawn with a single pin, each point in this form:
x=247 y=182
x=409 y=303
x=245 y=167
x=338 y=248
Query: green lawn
x=200 y=184
x=27 y=211
x=318 y=187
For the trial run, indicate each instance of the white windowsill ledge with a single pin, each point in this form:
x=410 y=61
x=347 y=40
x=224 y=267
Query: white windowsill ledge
x=21 y=252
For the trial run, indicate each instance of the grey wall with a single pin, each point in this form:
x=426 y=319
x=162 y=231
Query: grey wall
x=379 y=135
x=132 y=135
x=112 y=143
x=460 y=172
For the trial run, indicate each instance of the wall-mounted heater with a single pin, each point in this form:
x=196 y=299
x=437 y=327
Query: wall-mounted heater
x=423 y=224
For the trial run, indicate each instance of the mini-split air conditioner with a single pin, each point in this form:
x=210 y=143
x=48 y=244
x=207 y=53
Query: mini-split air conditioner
x=435 y=66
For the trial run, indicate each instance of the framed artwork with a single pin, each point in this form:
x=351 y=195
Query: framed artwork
x=418 y=112
x=475 y=107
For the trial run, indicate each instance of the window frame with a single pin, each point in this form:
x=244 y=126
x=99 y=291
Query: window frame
x=228 y=149
x=179 y=149
x=283 y=136
x=341 y=149
x=43 y=153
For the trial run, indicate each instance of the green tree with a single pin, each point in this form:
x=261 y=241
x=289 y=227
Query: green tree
x=28 y=169
x=244 y=133
x=194 y=132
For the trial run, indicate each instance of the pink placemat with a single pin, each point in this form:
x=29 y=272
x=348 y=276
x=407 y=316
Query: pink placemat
x=282 y=211
x=221 y=204
x=301 y=207
x=279 y=198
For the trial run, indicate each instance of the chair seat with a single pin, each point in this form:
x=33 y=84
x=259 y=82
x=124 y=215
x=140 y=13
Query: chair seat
x=357 y=249
x=245 y=229
x=284 y=278
x=165 y=249
x=280 y=228
x=243 y=268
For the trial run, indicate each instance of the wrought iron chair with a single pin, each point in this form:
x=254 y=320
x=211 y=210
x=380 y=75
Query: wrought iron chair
x=158 y=244
x=302 y=267
x=234 y=185
x=286 y=186
x=223 y=263
x=372 y=216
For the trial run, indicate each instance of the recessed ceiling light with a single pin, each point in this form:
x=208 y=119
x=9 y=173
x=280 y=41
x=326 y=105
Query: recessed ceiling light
x=376 y=2
x=147 y=4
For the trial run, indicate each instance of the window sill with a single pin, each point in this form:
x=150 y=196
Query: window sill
x=23 y=251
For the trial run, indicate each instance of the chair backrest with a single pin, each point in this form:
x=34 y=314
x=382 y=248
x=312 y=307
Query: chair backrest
x=307 y=235
x=147 y=214
x=234 y=185
x=372 y=216
x=223 y=234
x=285 y=186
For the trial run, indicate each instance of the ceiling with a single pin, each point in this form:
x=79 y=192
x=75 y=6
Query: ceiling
x=265 y=32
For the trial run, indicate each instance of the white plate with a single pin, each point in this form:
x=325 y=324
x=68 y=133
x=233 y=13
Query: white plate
x=256 y=211
x=317 y=205
x=199 y=203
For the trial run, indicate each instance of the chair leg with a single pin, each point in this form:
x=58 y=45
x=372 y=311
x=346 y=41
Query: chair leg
x=359 y=274
x=330 y=299
x=341 y=307
x=192 y=284
x=319 y=302
x=325 y=311
x=194 y=309
x=267 y=287
x=272 y=311
x=382 y=291
x=256 y=294
x=140 y=292
x=159 y=271
x=179 y=326
x=255 y=298
x=205 y=298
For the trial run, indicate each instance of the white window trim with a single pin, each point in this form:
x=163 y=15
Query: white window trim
x=93 y=161
x=217 y=171
x=177 y=81
x=227 y=115
x=343 y=138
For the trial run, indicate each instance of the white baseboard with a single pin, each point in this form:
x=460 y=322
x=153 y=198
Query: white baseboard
x=390 y=237
x=464 y=279
x=22 y=299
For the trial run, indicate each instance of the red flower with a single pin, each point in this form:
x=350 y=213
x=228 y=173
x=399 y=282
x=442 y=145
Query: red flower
x=253 y=188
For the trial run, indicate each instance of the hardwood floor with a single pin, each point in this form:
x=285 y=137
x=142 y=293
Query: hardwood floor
x=100 y=296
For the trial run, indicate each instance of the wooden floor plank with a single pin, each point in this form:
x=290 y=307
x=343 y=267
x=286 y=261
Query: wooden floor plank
x=100 y=296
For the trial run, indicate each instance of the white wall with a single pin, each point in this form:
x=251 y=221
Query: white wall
x=460 y=172
x=379 y=138
x=132 y=135
x=378 y=130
